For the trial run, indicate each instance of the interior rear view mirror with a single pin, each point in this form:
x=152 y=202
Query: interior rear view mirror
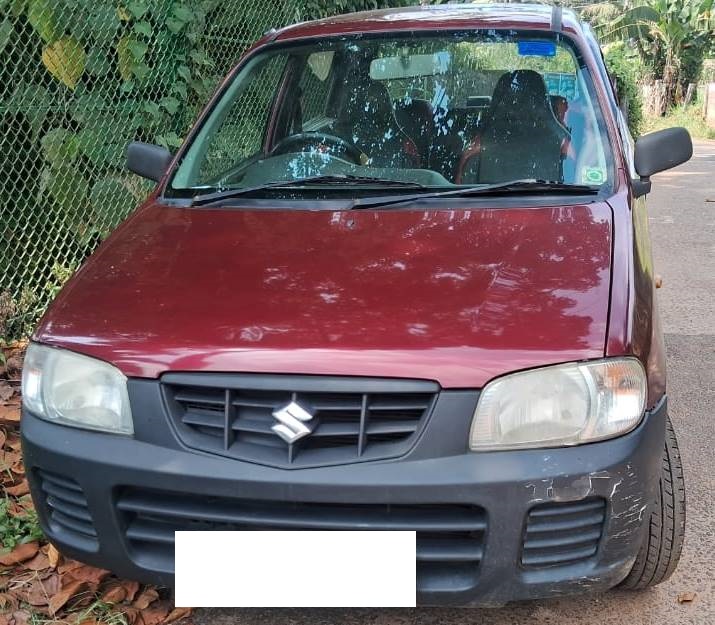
x=658 y=151
x=147 y=160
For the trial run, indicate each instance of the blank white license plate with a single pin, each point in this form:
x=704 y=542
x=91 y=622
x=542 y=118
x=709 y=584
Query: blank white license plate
x=295 y=569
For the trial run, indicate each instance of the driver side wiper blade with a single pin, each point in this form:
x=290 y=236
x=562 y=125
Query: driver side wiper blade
x=333 y=179
x=525 y=186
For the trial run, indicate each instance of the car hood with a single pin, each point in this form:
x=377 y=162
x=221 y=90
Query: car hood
x=456 y=296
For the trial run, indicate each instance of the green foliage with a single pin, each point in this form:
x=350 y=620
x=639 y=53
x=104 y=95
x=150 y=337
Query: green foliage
x=626 y=68
x=672 y=36
x=7 y=311
x=17 y=529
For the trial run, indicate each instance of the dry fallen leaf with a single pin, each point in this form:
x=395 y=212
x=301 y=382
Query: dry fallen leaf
x=40 y=591
x=8 y=459
x=130 y=614
x=20 y=617
x=20 y=553
x=19 y=490
x=13 y=442
x=114 y=593
x=18 y=508
x=687 y=597
x=39 y=563
x=131 y=587
x=69 y=565
x=14 y=363
x=146 y=598
x=6 y=391
x=68 y=591
x=3 y=438
x=25 y=505
x=10 y=414
x=53 y=556
x=90 y=574
x=155 y=613
x=120 y=590
x=177 y=614
x=8 y=603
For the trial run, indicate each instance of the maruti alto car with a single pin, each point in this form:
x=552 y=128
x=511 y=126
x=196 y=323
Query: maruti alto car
x=398 y=277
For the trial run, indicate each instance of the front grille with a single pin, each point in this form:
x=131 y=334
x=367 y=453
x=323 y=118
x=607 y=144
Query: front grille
x=563 y=533
x=450 y=537
x=353 y=419
x=67 y=510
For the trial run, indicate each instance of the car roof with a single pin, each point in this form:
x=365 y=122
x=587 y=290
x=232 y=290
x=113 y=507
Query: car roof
x=435 y=17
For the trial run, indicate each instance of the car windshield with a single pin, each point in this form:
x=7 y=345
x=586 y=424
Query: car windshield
x=458 y=109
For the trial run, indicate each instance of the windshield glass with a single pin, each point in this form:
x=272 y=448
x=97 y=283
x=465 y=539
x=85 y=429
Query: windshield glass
x=458 y=109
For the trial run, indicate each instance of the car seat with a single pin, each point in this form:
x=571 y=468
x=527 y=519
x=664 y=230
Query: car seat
x=520 y=136
x=367 y=119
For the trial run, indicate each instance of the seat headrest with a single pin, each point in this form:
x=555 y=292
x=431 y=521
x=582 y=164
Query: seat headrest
x=519 y=90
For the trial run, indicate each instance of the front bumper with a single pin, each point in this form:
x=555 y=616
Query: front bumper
x=113 y=477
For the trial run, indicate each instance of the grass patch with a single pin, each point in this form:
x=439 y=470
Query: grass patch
x=97 y=612
x=17 y=529
x=690 y=117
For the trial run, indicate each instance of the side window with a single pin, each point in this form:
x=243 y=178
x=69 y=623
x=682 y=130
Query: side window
x=241 y=129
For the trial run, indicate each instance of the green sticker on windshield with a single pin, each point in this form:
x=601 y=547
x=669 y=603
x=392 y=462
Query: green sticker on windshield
x=593 y=175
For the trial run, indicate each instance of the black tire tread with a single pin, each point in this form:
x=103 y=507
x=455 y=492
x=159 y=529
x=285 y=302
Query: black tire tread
x=663 y=542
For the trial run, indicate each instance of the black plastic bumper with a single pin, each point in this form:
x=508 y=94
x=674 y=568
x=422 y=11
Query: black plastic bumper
x=621 y=473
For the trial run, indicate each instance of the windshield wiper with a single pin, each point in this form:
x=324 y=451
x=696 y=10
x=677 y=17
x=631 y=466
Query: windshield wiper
x=334 y=179
x=525 y=186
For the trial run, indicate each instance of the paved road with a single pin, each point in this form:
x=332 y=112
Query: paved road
x=683 y=232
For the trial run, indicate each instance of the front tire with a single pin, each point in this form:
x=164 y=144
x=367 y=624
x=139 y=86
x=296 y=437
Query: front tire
x=663 y=542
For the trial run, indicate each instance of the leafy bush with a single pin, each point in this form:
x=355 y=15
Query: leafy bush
x=7 y=312
x=626 y=69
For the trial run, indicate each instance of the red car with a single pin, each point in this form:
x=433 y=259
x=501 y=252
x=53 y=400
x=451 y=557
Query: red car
x=398 y=277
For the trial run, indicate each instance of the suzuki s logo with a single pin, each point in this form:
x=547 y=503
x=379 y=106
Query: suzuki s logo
x=293 y=418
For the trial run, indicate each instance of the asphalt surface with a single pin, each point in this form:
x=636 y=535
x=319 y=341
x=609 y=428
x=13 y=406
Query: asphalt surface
x=682 y=222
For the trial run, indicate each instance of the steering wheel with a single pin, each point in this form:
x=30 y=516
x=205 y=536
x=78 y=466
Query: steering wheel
x=320 y=142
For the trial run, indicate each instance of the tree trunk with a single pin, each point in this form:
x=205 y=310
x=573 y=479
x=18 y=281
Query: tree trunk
x=653 y=95
x=671 y=74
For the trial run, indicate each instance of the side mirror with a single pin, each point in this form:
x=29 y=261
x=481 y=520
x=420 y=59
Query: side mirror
x=147 y=160
x=658 y=151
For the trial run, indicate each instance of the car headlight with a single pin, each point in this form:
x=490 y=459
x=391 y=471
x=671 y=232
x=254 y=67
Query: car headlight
x=68 y=388
x=560 y=405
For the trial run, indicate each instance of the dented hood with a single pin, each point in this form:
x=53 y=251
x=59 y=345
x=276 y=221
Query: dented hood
x=456 y=296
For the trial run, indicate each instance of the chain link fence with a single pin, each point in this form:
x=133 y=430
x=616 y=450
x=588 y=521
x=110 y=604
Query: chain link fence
x=79 y=80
